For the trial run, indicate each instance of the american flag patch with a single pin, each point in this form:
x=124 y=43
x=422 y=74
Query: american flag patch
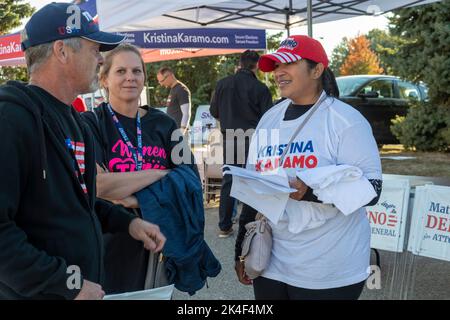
x=78 y=150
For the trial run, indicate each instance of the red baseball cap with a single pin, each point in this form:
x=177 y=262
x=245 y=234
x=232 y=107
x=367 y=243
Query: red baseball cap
x=293 y=49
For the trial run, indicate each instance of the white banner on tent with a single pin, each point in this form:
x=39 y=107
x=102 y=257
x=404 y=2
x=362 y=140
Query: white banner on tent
x=430 y=227
x=388 y=217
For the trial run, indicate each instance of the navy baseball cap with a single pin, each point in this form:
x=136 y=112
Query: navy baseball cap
x=57 y=21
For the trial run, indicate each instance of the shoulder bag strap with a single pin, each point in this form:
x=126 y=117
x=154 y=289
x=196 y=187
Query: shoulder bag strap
x=300 y=127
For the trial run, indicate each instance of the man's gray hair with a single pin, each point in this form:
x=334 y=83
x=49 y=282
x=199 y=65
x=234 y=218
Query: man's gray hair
x=37 y=55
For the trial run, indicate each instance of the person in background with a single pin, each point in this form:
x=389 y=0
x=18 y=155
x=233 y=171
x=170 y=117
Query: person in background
x=51 y=221
x=327 y=256
x=238 y=103
x=179 y=100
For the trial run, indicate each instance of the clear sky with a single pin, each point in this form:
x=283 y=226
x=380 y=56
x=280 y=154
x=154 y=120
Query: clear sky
x=329 y=33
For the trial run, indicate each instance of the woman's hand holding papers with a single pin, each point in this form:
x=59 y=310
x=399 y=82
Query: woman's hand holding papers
x=301 y=187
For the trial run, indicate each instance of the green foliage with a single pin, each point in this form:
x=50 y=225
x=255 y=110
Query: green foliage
x=446 y=133
x=424 y=56
x=338 y=56
x=382 y=43
x=417 y=48
x=425 y=128
x=200 y=75
x=11 y=12
x=386 y=46
x=425 y=53
x=273 y=41
x=13 y=73
x=227 y=65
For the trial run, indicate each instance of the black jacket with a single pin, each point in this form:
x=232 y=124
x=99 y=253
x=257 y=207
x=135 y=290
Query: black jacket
x=46 y=222
x=239 y=101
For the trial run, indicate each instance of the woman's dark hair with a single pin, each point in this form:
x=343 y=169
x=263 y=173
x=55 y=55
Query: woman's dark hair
x=328 y=80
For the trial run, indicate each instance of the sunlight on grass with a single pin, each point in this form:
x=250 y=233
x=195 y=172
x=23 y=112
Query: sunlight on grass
x=430 y=164
x=392 y=149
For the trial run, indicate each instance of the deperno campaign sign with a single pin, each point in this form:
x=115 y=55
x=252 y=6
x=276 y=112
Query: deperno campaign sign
x=388 y=217
x=430 y=225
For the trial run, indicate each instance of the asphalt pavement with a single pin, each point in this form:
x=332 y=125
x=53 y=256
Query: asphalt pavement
x=402 y=276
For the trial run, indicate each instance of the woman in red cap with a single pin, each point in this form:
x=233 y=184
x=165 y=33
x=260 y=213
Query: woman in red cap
x=321 y=242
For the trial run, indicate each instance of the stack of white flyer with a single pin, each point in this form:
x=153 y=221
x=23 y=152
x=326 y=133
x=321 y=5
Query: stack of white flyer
x=266 y=192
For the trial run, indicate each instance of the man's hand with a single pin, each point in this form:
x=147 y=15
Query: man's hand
x=240 y=272
x=148 y=233
x=301 y=187
x=128 y=202
x=90 y=291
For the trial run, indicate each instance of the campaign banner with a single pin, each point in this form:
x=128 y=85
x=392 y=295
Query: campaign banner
x=212 y=38
x=155 y=55
x=388 y=217
x=10 y=47
x=430 y=227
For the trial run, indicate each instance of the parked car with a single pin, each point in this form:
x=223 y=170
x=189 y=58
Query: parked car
x=379 y=99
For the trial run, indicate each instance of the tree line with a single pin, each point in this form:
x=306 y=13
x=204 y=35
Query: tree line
x=415 y=47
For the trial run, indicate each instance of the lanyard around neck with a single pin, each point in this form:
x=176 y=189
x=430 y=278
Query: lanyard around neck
x=137 y=156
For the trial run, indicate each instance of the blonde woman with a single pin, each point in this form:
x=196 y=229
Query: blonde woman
x=133 y=148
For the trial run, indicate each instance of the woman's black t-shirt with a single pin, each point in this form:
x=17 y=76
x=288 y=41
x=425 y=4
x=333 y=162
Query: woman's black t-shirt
x=126 y=260
x=157 y=130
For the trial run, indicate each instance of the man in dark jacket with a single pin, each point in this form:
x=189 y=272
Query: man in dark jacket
x=50 y=220
x=238 y=102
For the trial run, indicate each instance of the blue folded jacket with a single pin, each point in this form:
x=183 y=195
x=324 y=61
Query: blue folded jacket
x=175 y=204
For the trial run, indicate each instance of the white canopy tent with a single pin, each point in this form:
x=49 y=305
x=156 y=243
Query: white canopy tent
x=137 y=15
x=129 y=15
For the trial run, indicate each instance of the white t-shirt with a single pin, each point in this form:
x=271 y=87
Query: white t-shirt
x=337 y=253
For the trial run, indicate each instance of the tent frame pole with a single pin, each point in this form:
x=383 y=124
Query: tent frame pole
x=309 y=8
x=288 y=18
